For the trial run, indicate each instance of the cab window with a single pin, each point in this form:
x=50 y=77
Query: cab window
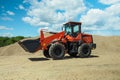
x=76 y=29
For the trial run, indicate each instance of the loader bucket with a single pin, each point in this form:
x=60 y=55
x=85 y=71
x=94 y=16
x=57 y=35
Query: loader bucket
x=30 y=45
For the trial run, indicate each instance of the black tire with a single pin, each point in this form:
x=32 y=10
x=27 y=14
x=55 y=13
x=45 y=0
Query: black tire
x=84 y=50
x=72 y=54
x=46 y=53
x=57 y=51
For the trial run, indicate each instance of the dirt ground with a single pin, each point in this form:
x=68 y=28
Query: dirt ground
x=103 y=64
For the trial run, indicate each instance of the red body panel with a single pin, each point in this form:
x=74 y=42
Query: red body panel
x=44 y=42
x=87 y=38
x=74 y=39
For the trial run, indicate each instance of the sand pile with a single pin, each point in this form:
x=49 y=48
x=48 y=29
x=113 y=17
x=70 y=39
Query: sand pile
x=104 y=44
x=13 y=49
x=107 y=43
x=104 y=63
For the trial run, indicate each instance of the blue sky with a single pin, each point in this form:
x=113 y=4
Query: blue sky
x=27 y=17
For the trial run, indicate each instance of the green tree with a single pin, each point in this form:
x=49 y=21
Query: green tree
x=9 y=40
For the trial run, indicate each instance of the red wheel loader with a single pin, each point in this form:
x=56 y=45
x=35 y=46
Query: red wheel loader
x=71 y=40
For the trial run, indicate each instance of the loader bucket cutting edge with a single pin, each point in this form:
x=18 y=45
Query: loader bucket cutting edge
x=22 y=46
x=30 y=45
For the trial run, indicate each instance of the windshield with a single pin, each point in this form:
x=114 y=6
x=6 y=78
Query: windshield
x=68 y=29
x=71 y=29
x=75 y=28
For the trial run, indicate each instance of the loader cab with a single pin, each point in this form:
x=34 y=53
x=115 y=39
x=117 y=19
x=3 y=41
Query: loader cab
x=72 y=28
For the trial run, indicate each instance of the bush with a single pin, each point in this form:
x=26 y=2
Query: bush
x=9 y=40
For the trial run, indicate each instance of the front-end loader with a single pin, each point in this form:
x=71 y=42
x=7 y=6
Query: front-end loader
x=71 y=40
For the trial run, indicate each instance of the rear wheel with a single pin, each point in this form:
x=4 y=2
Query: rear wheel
x=46 y=53
x=84 y=50
x=57 y=51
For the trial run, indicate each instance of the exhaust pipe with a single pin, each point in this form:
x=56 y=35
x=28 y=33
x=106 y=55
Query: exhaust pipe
x=30 y=45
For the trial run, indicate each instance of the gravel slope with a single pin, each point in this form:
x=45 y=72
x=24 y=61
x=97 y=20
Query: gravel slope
x=104 y=63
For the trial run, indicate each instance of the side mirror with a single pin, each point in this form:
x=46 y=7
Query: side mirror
x=63 y=28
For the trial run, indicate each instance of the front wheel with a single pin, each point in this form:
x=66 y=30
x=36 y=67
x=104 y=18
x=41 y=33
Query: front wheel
x=57 y=51
x=46 y=53
x=84 y=50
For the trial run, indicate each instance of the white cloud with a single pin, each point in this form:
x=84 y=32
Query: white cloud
x=108 y=2
x=6 y=34
x=6 y=18
x=21 y=7
x=10 y=13
x=5 y=28
x=53 y=12
x=108 y=19
x=44 y=29
x=114 y=9
x=35 y=21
